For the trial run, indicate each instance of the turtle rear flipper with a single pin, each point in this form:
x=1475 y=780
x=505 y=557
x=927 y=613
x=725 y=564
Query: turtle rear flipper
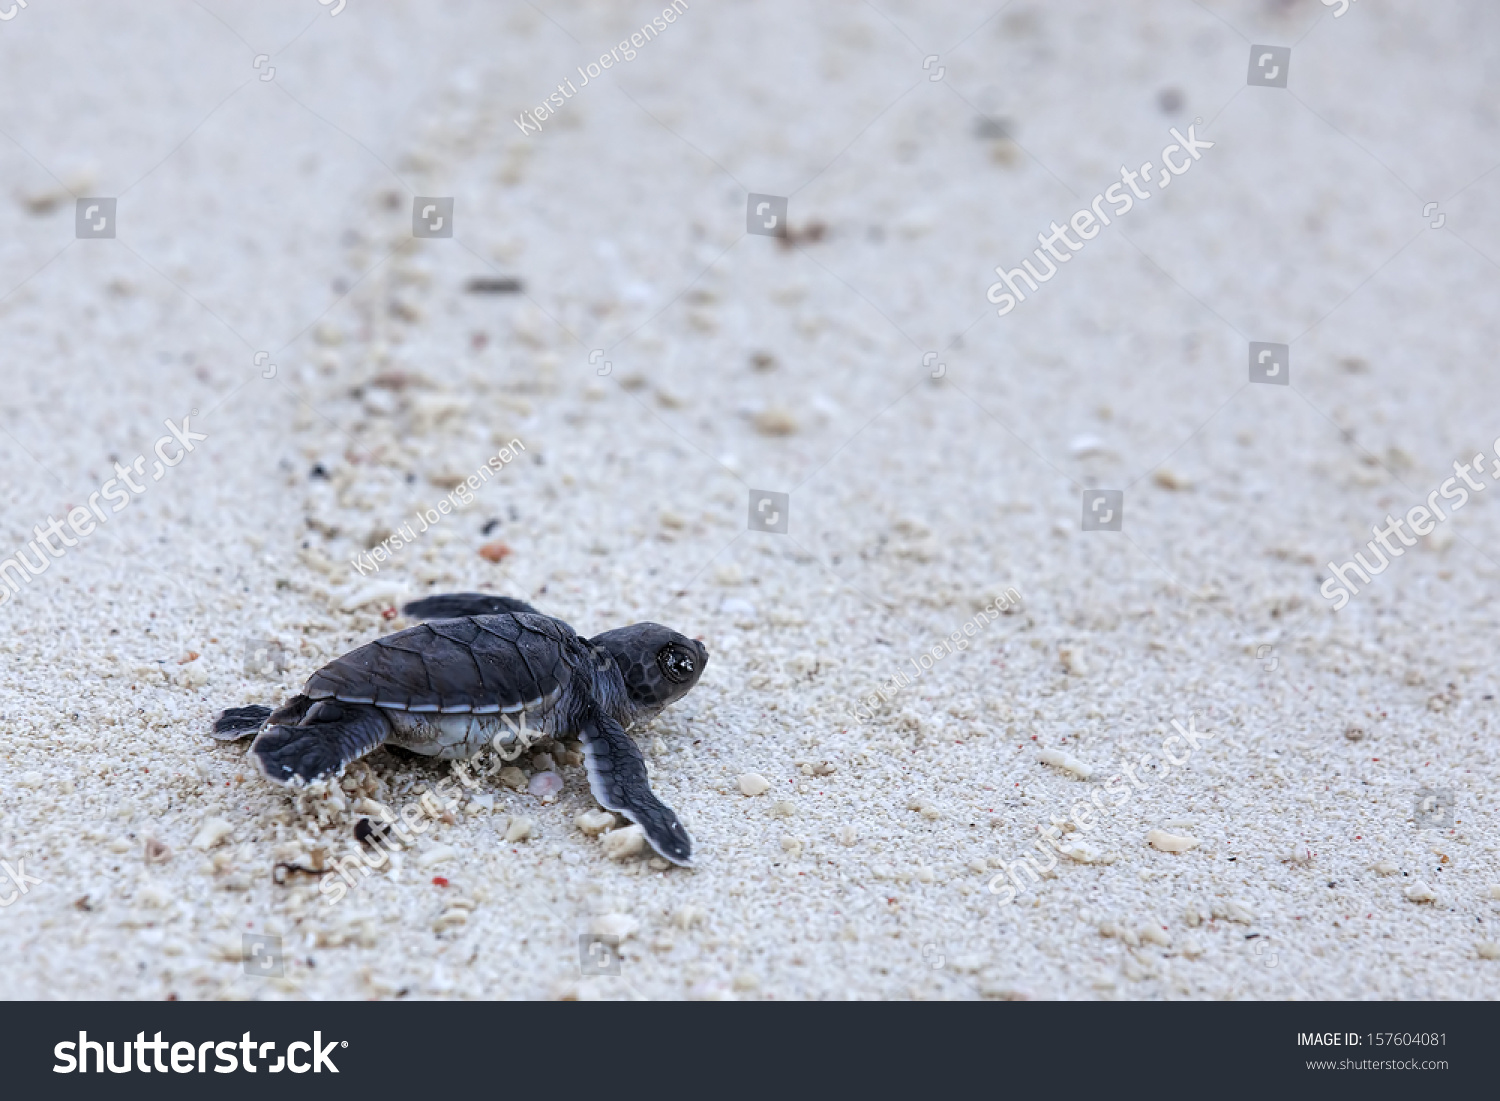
x=236 y=722
x=328 y=736
x=458 y=605
x=617 y=777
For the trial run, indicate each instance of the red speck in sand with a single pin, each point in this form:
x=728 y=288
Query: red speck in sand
x=439 y=881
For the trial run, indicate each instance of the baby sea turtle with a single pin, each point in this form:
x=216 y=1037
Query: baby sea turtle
x=481 y=671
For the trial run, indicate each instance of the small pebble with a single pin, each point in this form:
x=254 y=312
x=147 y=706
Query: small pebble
x=211 y=832
x=383 y=593
x=545 y=786
x=687 y=916
x=848 y=835
x=1155 y=934
x=1354 y=733
x=518 y=829
x=494 y=552
x=925 y=807
x=1171 y=842
x=1488 y=950
x=792 y=845
x=542 y=762
x=1495 y=890
x=1086 y=445
x=622 y=926
x=594 y=822
x=784 y=809
x=153 y=896
x=775 y=422
x=736 y=608
x=157 y=852
x=623 y=843
x=513 y=778
x=1420 y=892
x=436 y=855
x=1385 y=867
x=752 y=783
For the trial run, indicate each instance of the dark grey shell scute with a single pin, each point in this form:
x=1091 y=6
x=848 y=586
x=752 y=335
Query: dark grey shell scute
x=481 y=664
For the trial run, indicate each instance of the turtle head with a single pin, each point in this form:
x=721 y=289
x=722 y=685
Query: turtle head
x=658 y=665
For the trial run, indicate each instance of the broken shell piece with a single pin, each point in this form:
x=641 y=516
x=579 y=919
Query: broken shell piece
x=1235 y=911
x=1067 y=762
x=620 y=844
x=1081 y=851
x=1171 y=842
x=620 y=926
x=545 y=786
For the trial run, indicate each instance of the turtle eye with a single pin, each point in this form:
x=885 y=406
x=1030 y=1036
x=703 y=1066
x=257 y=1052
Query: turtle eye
x=676 y=664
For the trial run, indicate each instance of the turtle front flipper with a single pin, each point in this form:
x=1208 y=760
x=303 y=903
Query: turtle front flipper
x=458 y=605
x=236 y=722
x=324 y=738
x=617 y=777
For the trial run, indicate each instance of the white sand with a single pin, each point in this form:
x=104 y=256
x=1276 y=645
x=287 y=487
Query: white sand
x=913 y=502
